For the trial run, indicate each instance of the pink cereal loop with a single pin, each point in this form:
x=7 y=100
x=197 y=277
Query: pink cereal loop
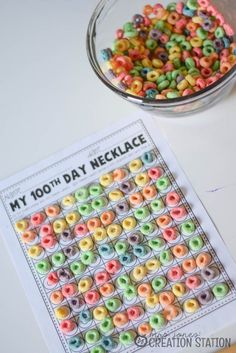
x=220 y=18
x=180 y=7
x=212 y=10
x=178 y=213
x=228 y=30
x=204 y=3
x=80 y=230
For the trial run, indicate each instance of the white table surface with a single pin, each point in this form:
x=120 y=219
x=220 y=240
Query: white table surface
x=50 y=98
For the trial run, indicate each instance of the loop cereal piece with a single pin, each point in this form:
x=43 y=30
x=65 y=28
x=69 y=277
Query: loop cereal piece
x=203 y=260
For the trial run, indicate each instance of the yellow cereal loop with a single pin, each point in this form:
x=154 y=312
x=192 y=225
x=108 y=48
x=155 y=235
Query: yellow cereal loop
x=114 y=230
x=152 y=301
x=100 y=313
x=35 y=251
x=86 y=244
x=68 y=201
x=138 y=273
x=99 y=234
x=152 y=265
x=129 y=223
x=142 y=179
x=179 y=289
x=106 y=179
x=72 y=217
x=21 y=226
x=115 y=195
x=191 y=305
x=59 y=225
x=85 y=284
x=135 y=165
x=62 y=312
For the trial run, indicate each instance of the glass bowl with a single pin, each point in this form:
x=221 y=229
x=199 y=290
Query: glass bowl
x=109 y=15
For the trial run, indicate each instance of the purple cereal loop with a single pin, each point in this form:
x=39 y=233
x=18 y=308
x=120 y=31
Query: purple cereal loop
x=205 y=297
x=64 y=274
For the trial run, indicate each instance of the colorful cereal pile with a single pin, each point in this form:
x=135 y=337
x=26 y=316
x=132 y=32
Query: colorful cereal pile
x=121 y=257
x=171 y=52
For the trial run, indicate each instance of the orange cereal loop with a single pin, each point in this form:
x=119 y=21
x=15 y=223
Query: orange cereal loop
x=147 y=11
x=166 y=298
x=144 y=329
x=52 y=211
x=149 y=192
x=56 y=297
x=203 y=259
x=144 y=290
x=120 y=319
x=106 y=289
x=119 y=174
x=171 y=312
x=164 y=221
x=93 y=223
x=189 y=265
x=107 y=217
x=136 y=199
x=180 y=251
x=28 y=237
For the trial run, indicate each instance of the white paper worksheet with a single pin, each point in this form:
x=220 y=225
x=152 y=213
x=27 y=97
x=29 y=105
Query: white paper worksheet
x=96 y=161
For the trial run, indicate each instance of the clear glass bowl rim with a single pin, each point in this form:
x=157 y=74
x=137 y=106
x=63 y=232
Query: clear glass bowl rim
x=92 y=56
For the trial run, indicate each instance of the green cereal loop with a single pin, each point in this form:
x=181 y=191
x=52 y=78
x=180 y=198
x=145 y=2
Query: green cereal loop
x=147 y=228
x=167 y=31
x=177 y=63
x=97 y=349
x=201 y=33
x=187 y=228
x=141 y=213
x=128 y=26
x=88 y=258
x=170 y=44
x=186 y=45
x=194 y=72
x=121 y=247
x=134 y=72
x=192 y=4
x=82 y=194
x=123 y=281
x=207 y=51
x=183 y=70
x=173 y=85
x=58 y=259
x=165 y=257
x=99 y=203
x=220 y=290
x=77 y=267
x=171 y=6
x=162 y=183
x=126 y=338
x=92 y=336
x=43 y=267
x=130 y=292
x=151 y=44
x=113 y=304
x=196 y=243
x=174 y=94
x=95 y=190
x=180 y=38
x=158 y=283
x=157 y=321
x=106 y=325
x=157 y=205
x=219 y=32
x=216 y=65
x=208 y=43
x=169 y=76
x=160 y=25
x=161 y=79
x=163 y=85
x=85 y=209
x=190 y=63
x=156 y=244
x=174 y=74
x=131 y=34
